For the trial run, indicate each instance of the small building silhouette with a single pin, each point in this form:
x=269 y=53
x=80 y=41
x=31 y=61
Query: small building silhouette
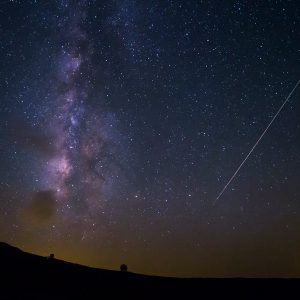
x=123 y=268
x=51 y=256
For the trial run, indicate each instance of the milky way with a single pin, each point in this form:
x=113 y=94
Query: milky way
x=83 y=170
x=120 y=121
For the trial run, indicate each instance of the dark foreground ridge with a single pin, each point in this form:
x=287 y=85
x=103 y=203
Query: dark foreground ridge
x=29 y=276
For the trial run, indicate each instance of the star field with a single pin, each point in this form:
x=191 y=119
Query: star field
x=121 y=121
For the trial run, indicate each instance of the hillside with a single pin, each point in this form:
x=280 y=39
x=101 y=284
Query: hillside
x=28 y=276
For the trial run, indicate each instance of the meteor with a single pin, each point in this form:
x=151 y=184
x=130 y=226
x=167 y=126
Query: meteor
x=254 y=146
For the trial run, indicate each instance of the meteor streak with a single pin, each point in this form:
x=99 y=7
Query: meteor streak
x=261 y=136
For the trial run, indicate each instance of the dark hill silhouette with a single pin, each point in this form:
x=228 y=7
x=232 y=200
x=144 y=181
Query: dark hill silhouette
x=29 y=276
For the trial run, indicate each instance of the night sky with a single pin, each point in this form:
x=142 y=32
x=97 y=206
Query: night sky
x=121 y=122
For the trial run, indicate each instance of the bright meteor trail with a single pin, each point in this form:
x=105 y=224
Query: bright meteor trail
x=261 y=136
